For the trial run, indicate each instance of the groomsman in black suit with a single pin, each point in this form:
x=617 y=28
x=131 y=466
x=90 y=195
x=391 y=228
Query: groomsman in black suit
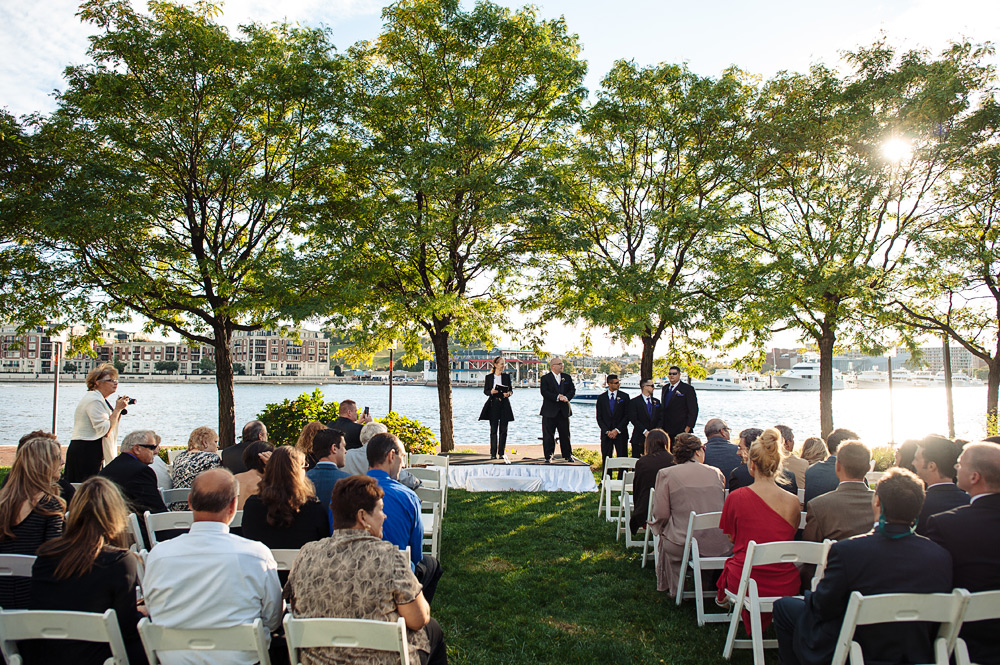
x=935 y=464
x=557 y=391
x=612 y=418
x=680 y=404
x=645 y=412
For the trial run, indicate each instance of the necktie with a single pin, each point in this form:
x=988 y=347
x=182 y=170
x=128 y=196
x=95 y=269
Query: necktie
x=649 y=407
x=611 y=402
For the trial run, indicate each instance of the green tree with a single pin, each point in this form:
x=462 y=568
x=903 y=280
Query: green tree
x=187 y=160
x=69 y=368
x=118 y=364
x=168 y=366
x=239 y=369
x=207 y=365
x=647 y=186
x=454 y=109
x=845 y=174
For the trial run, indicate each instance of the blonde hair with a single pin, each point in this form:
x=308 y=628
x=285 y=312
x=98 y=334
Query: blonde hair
x=305 y=442
x=35 y=471
x=814 y=450
x=200 y=438
x=101 y=371
x=767 y=452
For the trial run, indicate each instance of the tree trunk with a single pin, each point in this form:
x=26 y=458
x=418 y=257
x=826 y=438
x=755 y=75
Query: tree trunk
x=826 y=343
x=224 y=384
x=992 y=391
x=949 y=401
x=646 y=364
x=441 y=357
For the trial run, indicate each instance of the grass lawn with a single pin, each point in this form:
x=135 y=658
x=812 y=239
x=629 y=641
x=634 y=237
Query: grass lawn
x=534 y=578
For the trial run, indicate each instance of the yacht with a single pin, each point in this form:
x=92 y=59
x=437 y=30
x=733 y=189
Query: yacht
x=805 y=376
x=724 y=379
x=588 y=391
x=958 y=379
x=873 y=378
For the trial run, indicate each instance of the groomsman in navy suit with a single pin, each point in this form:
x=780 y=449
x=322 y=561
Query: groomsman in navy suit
x=557 y=390
x=612 y=418
x=645 y=413
x=680 y=404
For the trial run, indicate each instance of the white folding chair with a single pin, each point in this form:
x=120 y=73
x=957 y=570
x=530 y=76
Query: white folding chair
x=245 y=637
x=175 y=495
x=943 y=608
x=171 y=520
x=691 y=557
x=430 y=494
x=802 y=496
x=172 y=454
x=802 y=519
x=136 y=532
x=345 y=633
x=747 y=597
x=610 y=487
x=981 y=606
x=873 y=477
x=626 y=504
x=430 y=516
x=16 y=565
x=285 y=558
x=648 y=537
x=439 y=461
x=17 y=625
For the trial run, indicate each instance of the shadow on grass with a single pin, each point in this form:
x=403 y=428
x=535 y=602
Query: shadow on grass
x=539 y=578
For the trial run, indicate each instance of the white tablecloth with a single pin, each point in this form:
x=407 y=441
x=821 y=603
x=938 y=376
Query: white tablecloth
x=521 y=477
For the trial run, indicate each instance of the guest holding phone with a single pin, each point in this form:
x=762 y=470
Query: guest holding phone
x=498 y=390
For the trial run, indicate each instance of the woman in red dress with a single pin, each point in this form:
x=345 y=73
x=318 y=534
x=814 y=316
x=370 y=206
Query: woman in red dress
x=764 y=513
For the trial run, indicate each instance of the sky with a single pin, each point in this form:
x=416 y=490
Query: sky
x=39 y=39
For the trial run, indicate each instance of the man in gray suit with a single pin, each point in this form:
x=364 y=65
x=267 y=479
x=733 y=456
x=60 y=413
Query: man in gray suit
x=846 y=511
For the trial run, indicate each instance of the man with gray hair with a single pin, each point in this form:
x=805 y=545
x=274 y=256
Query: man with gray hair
x=356 y=459
x=210 y=578
x=131 y=472
x=720 y=451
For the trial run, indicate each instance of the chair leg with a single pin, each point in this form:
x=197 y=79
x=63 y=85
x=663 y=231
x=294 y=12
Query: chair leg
x=600 y=500
x=756 y=632
x=734 y=623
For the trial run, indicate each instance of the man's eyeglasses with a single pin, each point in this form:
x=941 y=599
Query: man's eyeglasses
x=673 y=373
x=147 y=446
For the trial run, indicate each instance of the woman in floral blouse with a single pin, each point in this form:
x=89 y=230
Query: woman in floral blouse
x=202 y=454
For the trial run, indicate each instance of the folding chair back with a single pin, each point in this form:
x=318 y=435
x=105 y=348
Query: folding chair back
x=943 y=608
x=245 y=637
x=16 y=565
x=430 y=516
x=345 y=633
x=175 y=520
x=981 y=606
x=692 y=557
x=609 y=488
x=17 y=625
x=625 y=509
x=136 y=533
x=430 y=460
x=430 y=494
x=175 y=495
x=649 y=537
x=873 y=477
x=285 y=558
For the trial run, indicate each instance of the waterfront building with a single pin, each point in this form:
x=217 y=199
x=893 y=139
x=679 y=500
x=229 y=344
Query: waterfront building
x=269 y=353
x=471 y=367
x=961 y=359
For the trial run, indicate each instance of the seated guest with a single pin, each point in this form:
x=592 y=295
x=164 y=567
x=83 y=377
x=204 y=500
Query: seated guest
x=793 y=462
x=65 y=487
x=402 y=509
x=356 y=574
x=255 y=457
x=131 y=472
x=741 y=476
x=356 y=459
x=202 y=454
x=813 y=451
x=688 y=485
x=657 y=456
x=935 y=464
x=846 y=511
x=720 y=452
x=305 y=442
x=31 y=511
x=88 y=569
x=890 y=559
x=328 y=446
x=285 y=513
x=972 y=535
x=348 y=422
x=210 y=578
x=232 y=457
x=822 y=477
x=905 y=454
x=762 y=512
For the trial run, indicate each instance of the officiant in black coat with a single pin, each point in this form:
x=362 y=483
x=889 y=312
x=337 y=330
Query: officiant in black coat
x=498 y=390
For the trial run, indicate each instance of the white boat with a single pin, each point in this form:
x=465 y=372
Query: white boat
x=805 y=376
x=588 y=391
x=958 y=379
x=873 y=378
x=724 y=379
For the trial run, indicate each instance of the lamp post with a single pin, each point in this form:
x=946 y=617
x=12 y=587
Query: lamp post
x=56 y=358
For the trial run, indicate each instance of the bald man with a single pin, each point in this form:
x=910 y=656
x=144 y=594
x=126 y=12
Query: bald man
x=557 y=391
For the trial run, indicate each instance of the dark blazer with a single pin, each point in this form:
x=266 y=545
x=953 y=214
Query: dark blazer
x=551 y=406
x=722 y=454
x=645 y=479
x=497 y=407
x=821 y=478
x=939 y=499
x=740 y=477
x=137 y=483
x=639 y=417
x=351 y=430
x=682 y=409
x=619 y=419
x=972 y=534
x=232 y=457
x=873 y=564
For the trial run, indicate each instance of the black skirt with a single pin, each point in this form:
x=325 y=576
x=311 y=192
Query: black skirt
x=83 y=459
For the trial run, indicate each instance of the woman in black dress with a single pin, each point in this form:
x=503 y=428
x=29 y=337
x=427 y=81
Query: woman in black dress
x=497 y=409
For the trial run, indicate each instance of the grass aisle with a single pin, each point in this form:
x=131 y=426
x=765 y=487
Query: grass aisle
x=535 y=578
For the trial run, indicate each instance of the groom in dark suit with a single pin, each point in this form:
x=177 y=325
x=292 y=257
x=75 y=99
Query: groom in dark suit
x=557 y=391
x=612 y=418
x=679 y=404
x=645 y=413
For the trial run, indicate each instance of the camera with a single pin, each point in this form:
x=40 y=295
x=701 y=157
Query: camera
x=131 y=400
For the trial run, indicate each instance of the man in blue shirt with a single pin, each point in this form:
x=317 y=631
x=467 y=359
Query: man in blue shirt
x=329 y=448
x=403 y=526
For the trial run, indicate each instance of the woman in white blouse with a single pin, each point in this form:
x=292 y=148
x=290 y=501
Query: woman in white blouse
x=95 y=425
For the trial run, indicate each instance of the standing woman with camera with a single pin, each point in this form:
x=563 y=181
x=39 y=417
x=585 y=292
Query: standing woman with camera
x=497 y=409
x=95 y=425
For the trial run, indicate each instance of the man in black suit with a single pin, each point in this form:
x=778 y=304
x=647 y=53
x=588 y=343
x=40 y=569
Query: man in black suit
x=557 y=391
x=612 y=418
x=890 y=559
x=935 y=462
x=348 y=422
x=645 y=413
x=720 y=452
x=972 y=534
x=131 y=472
x=822 y=476
x=232 y=457
x=680 y=404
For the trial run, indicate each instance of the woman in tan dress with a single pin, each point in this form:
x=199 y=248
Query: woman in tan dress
x=688 y=485
x=354 y=574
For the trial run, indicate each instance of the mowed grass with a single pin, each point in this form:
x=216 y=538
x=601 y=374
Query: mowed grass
x=533 y=578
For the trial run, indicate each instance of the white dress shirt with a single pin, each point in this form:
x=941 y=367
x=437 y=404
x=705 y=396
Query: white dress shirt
x=210 y=578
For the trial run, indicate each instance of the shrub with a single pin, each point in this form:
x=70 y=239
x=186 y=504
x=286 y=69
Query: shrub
x=884 y=456
x=4 y=470
x=164 y=449
x=416 y=438
x=285 y=421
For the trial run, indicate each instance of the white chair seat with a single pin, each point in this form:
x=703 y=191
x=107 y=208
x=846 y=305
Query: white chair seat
x=245 y=637
x=345 y=633
x=16 y=565
x=17 y=625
